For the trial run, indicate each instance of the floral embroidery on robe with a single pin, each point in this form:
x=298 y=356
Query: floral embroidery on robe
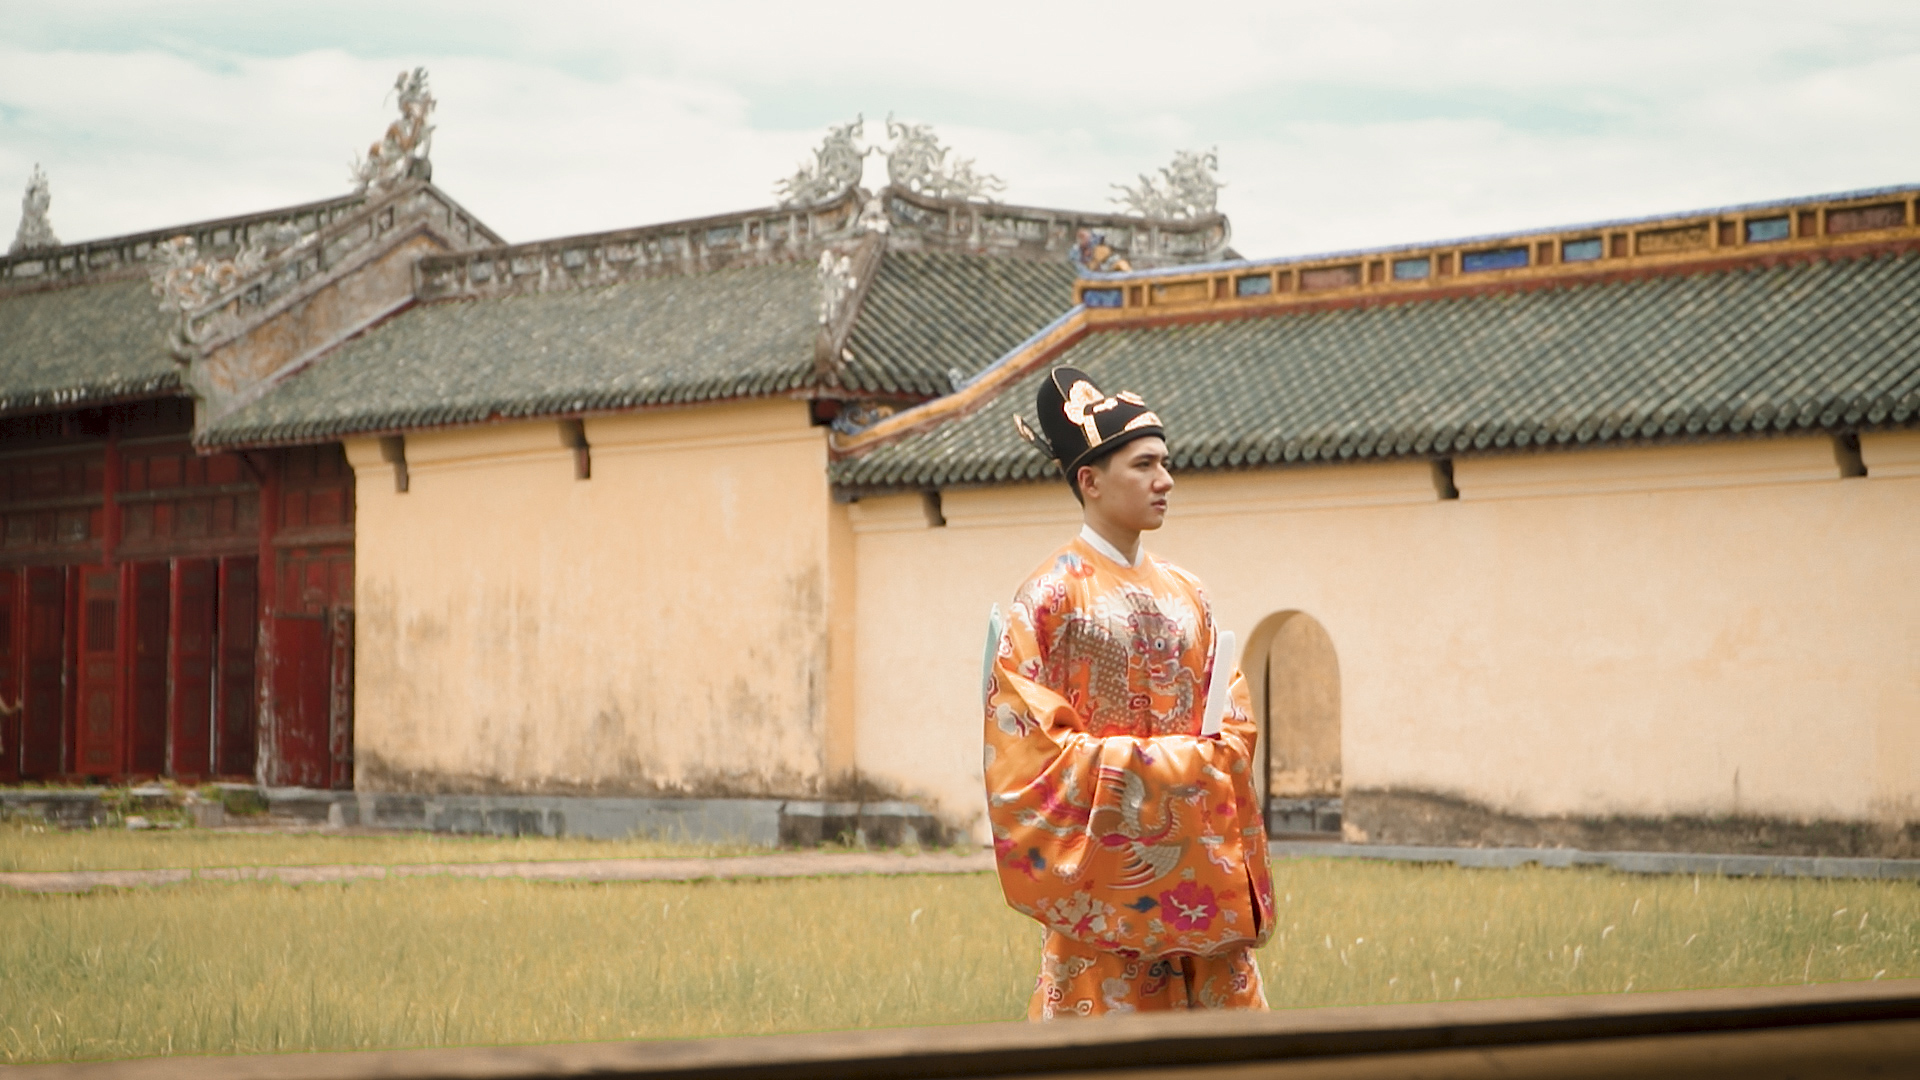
x=1115 y=823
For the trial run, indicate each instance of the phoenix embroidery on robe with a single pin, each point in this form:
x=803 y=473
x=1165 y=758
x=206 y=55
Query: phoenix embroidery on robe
x=1115 y=823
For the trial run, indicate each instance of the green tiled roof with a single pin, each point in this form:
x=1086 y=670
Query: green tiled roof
x=731 y=333
x=1751 y=350
x=64 y=347
x=930 y=313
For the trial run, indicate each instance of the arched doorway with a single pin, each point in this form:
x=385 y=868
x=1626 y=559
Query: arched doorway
x=1295 y=676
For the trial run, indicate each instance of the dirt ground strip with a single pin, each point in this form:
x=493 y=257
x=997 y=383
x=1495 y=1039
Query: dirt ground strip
x=785 y=865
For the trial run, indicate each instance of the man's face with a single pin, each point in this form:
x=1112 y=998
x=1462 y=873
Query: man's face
x=1129 y=487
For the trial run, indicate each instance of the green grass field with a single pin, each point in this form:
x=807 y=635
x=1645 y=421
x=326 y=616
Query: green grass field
x=223 y=968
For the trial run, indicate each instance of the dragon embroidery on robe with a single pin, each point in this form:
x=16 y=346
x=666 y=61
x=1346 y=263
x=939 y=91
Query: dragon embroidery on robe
x=1115 y=823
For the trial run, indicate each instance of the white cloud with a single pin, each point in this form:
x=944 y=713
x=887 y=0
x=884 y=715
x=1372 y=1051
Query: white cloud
x=1338 y=125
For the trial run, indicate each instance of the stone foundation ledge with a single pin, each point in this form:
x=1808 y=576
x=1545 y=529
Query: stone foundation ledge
x=754 y=822
x=1632 y=862
x=94 y=807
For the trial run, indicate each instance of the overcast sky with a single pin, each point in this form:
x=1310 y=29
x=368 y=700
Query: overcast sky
x=1338 y=124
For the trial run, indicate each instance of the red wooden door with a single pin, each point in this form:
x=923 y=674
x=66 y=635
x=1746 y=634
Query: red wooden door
x=44 y=694
x=340 y=697
x=147 y=709
x=300 y=655
x=236 y=734
x=190 y=708
x=11 y=616
x=97 y=734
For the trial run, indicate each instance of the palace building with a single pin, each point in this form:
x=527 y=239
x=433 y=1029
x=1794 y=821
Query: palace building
x=198 y=422
x=1597 y=535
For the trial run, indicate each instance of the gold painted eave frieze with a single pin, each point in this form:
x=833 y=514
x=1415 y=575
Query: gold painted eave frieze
x=1759 y=233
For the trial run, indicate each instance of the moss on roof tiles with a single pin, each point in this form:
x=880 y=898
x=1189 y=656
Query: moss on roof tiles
x=733 y=333
x=929 y=313
x=70 y=346
x=1741 y=351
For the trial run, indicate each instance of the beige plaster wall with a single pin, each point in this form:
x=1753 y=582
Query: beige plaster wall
x=1713 y=629
x=661 y=626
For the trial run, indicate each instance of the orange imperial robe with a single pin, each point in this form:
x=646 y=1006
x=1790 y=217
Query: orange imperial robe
x=1136 y=841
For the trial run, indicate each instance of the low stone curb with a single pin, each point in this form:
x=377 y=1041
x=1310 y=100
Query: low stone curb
x=1634 y=862
x=588 y=870
x=757 y=822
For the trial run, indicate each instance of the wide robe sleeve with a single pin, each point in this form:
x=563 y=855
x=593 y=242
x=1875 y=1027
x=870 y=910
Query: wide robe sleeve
x=1133 y=844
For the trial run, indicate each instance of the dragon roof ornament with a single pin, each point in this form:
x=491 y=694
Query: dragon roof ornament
x=918 y=163
x=35 y=231
x=834 y=171
x=403 y=152
x=187 y=282
x=1185 y=189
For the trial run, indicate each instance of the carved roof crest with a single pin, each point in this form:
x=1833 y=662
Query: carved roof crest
x=834 y=171
x=1186 y=188
x=187 y=282
x=35 y=230
x=918 y=163
x=403 y=152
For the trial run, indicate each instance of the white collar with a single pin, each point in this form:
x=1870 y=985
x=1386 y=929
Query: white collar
x=1099 y=543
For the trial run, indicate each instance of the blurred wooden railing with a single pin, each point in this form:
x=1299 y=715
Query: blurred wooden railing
x=1836 y=1030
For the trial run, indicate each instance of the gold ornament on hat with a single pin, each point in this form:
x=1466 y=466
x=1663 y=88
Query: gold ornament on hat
x=1083 y=400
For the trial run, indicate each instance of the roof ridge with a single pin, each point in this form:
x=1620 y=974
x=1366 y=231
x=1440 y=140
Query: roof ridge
x=845 y=283
x=674 y=248
x=125 y=254
x=911 y=223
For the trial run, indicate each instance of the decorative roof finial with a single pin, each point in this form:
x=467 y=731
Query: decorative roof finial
x=918 y=163
x=402 y=153
x=873 y=216
x=834 y=171
x=35 y=231
x=186 y=280
x=1092 y=254
x=1185 y=189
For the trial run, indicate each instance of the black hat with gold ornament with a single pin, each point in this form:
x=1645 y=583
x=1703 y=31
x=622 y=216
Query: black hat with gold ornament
x=1080 y=424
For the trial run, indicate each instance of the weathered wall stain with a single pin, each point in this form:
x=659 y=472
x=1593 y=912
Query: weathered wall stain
x=375 y=773
x=1593 y=634
x=531 y=631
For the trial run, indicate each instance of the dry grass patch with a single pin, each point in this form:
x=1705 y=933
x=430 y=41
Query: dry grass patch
x=1361 y=933
x=215 y=968
x=234 y=968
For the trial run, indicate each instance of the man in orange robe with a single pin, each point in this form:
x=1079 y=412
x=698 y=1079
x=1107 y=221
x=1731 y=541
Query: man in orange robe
x=1133 y=838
